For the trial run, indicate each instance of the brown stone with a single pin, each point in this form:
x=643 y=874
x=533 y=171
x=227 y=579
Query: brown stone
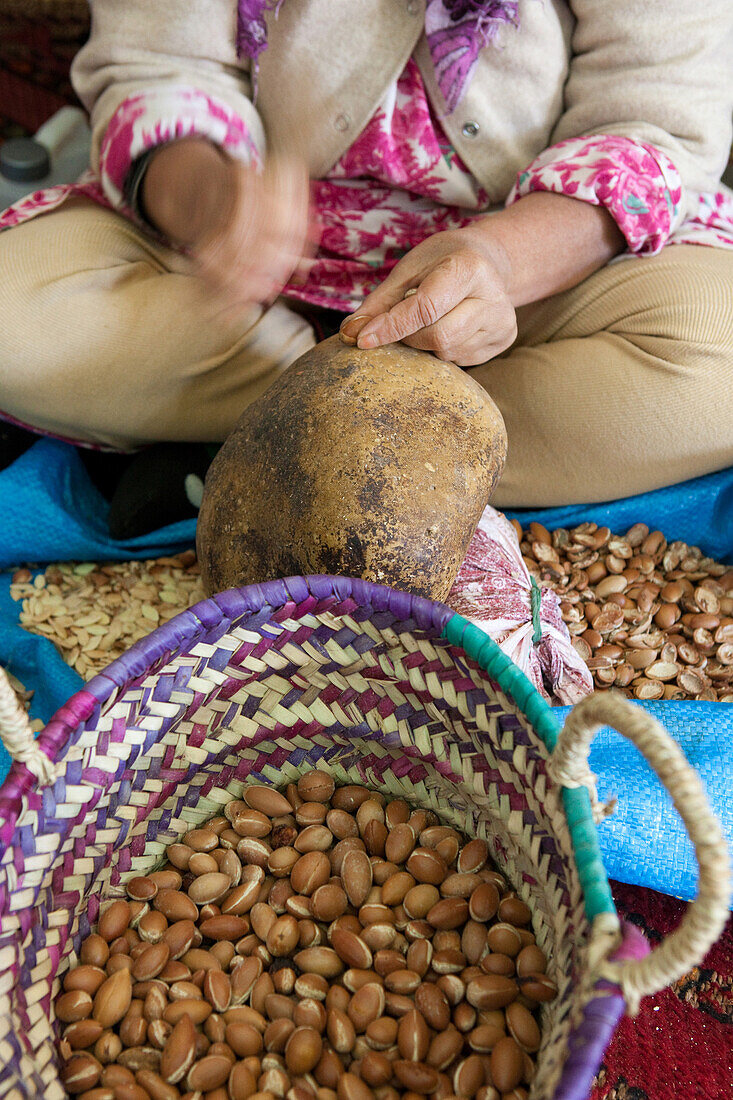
x=374 y=464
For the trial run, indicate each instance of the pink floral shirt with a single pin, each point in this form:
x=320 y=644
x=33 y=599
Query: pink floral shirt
x=401 y=181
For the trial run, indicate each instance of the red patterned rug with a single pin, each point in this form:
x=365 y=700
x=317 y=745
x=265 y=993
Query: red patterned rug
x=680 y=1046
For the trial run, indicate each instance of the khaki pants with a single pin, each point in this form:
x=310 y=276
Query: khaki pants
x=620 y=385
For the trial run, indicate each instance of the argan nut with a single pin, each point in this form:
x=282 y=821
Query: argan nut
x=217 y=989
x=152 y=927
x=514 y=911
x=242 y=1083
x=351 y=949
x=507 y=1064
x=197 y=1010
x=319 y=960
x=396 y=887
x=351 y=1087
x=504 y=939
x=427 y=866
x=108 y=1047
x=531 y=960
x=94 y=951
x=413 y=1036
x=445 y=1048
x=80 y=1073
x=313 y=838
x=141 y=888
x=224 y=927
x=328 y=902
x=282 y=938
x=114 y=920
x=491 y=991
x=166 y=880
x=267 y=800
x=433 y=1004
x=74 y=1006
x=356 y=877
x=209 y=887
x=484 y=902
x=522 y=1025
x=367 y=1004
x=538 y=986
x=151 y=960
x=175 y=905
x=113 y=998
x=179 y=1052
x=472 y=856
x=243 y=1039
x=208 y=1073
x=340 y=1031
x=156 y=1086
x=303 y=1050
x=309 y=871
x=416 y=1076
x=316 y=786
x=448 y=913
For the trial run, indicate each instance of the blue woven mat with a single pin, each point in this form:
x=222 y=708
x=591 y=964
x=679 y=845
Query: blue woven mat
x=51 y=512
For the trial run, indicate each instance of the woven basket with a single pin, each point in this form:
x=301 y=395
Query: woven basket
x=375 y=687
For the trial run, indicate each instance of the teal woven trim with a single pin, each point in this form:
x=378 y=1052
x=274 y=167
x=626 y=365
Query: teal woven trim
x=535 y=600
x=576 y=802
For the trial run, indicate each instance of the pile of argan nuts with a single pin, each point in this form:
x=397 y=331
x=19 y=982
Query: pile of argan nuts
x=651 y=619
x=321 y=944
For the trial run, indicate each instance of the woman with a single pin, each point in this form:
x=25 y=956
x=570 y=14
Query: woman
x=544 y=174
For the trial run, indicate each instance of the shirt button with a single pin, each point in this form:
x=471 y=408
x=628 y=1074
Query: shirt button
x=413 y=7
x=342 y=122
x=470 y=129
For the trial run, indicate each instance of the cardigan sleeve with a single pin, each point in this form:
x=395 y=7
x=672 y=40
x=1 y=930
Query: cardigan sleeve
x=636 y=183
x=152 y=73
x=647 y=110
x=659 y=73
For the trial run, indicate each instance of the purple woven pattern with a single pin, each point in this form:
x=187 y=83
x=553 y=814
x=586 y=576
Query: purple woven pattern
x=600 y=1017
x=264 y=683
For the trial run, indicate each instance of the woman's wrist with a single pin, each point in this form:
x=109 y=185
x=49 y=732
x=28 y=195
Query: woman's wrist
x=189 y=190
x=546 y=243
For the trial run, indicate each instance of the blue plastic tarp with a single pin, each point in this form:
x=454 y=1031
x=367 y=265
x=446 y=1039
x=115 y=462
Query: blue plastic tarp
x=52 y=512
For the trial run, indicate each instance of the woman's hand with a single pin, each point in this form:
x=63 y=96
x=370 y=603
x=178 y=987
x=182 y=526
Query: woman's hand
x=247 y=230
x=457 y=302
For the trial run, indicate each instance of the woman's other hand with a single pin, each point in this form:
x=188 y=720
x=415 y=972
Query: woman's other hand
x=448 y=295
x=248 y=230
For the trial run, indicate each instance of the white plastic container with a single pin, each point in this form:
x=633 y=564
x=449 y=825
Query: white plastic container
x=59 y=153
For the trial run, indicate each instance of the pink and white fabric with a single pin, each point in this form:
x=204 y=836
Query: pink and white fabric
x=493 y=590
x=170 y=113
x=399 y=183
x=637 y=184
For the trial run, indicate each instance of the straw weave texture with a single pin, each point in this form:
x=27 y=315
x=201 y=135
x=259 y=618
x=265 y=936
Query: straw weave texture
x=367 y=696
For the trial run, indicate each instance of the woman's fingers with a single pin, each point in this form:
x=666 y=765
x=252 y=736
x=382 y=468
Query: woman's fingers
x=437 y=294
x=470 y=334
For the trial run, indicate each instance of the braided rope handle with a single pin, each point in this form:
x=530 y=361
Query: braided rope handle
x=706 y=916
x=17 y=735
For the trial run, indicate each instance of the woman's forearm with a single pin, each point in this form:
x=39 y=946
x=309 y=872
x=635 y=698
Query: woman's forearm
x=546 y=243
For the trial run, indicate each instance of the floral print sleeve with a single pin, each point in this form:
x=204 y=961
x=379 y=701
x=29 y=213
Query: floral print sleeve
x=636 y=183
x=145 y=121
